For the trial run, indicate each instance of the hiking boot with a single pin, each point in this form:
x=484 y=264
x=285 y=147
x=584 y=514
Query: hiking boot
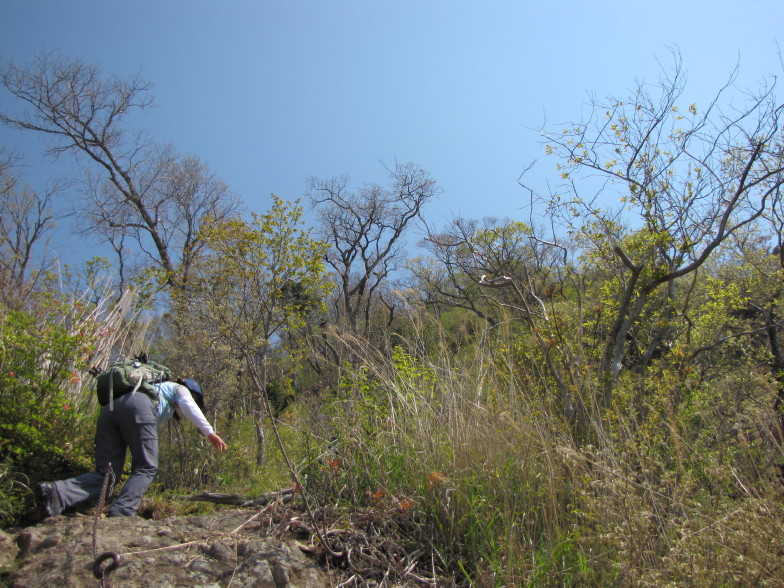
x=50 y=501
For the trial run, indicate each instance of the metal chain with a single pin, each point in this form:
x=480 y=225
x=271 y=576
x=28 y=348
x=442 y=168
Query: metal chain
x=99 y=572
x=101 y=503
x=102 y=574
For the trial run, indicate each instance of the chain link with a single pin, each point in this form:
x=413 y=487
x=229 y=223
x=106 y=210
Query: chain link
x=100 y=572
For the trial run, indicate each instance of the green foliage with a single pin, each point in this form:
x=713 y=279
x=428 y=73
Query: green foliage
x=260 y=278
x=42 y=422
x=280 y=394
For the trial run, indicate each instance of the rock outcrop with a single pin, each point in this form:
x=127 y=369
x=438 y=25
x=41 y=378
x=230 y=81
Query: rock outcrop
x=226 y=548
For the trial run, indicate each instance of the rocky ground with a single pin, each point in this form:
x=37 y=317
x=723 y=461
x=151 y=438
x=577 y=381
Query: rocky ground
x=232 y=547
x=215 y=550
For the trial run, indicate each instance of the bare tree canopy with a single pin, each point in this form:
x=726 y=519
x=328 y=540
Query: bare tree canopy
x=26 y=218
x=364 y=230
x=134 y=187
x=474 y=263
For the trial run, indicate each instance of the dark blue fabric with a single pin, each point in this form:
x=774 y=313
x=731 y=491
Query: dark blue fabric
x=192 y=385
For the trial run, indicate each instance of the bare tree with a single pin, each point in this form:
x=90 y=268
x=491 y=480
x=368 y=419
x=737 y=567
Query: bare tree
x=182 y=193
x=135 y=188
x=501 y=262
x=26 y=219
x=365 y=232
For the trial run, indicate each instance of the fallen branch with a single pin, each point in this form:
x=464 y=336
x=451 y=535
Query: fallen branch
x=284 y=496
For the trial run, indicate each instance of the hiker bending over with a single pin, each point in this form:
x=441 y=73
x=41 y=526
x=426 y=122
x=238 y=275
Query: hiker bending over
x=133 y=422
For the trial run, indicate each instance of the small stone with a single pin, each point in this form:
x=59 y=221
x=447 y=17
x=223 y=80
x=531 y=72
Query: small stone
x=280 y=574
x=220 y=552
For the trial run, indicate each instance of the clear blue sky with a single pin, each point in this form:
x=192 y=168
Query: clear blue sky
x=269 y=93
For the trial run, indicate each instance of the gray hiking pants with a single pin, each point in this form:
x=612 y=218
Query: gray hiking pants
x=131 y=425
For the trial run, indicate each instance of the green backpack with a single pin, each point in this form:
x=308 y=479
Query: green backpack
x=130 y=375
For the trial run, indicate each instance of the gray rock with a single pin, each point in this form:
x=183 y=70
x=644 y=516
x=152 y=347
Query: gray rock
x=181 y=551
x=8 y=553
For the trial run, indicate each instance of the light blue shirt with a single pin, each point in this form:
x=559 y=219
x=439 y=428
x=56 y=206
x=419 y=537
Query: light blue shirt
x=173 y=396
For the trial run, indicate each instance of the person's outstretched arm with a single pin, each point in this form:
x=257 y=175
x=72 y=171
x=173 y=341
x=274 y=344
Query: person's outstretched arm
x=194 y=415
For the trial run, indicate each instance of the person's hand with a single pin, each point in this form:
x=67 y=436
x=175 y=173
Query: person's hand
x=217 y=442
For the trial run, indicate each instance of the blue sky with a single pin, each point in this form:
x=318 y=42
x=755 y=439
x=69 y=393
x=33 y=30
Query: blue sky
x=271 y=93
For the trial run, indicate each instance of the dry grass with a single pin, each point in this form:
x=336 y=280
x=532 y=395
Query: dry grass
x=502 y=493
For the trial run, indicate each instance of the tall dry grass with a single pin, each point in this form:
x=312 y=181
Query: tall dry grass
x=490 y=480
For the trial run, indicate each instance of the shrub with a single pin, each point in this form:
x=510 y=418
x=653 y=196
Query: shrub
x=43 y=434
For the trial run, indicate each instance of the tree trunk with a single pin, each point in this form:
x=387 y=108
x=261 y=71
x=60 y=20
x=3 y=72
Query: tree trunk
x=259 y=434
